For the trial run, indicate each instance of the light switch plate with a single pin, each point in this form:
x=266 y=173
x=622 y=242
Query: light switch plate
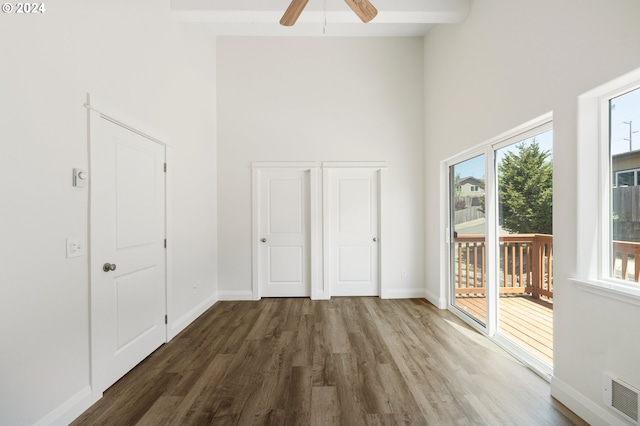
x=75 y=247
x=80 y=178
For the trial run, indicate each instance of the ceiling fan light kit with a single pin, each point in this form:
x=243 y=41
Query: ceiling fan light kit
x=363 y=8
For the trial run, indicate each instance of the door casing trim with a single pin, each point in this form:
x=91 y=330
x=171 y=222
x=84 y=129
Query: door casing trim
x=318 y=212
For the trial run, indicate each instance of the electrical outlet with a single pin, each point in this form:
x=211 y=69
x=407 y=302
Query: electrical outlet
x=403 y=273
x=196 y=286
x=75 y=247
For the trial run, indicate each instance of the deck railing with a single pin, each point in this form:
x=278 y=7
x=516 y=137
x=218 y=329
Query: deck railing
x=626 y=260
x=526 y=264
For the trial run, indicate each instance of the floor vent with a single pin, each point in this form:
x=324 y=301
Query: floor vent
x=621 y=397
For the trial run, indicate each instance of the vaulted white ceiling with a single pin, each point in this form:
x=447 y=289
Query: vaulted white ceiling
x=396 y=18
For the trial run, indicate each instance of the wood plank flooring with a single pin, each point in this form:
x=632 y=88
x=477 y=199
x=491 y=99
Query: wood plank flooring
x=346 y=361
x=523 y=319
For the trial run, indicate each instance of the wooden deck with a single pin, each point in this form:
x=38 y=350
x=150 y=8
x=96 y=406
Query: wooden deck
x=525 y=320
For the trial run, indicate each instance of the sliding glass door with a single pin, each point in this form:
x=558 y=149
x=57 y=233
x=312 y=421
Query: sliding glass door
x=468 y=238
x=524 y=173
x=501 y=242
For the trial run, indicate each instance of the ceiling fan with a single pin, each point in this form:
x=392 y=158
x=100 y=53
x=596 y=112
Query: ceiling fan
x=363 y=8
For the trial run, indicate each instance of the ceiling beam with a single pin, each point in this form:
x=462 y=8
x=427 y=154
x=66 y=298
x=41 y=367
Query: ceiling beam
x=236 y=17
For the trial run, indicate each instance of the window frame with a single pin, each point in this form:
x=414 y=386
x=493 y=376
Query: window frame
x=594 y=252
x=635 y=176
x=606 y=164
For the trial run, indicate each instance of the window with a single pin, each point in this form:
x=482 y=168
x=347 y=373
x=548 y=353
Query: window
x=626 y=177
x=607 y=251
x=624 y=211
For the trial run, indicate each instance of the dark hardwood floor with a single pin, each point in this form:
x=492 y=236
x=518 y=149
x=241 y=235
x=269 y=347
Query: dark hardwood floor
x=347 y=361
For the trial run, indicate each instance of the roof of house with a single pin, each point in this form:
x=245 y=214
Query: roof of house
x=472 y=181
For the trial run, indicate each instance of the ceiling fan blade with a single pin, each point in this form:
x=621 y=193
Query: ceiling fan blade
x=363 y=8
x=293 y=12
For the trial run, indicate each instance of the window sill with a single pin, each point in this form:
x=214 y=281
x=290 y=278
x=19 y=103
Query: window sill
x=611 y=290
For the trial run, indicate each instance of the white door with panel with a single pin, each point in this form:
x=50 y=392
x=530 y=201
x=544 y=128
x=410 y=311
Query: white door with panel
x=128 y=274
x=284 y=232
x=353 y=229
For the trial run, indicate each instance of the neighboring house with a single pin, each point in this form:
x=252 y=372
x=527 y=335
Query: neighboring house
x=626 y=169
x=470 y=187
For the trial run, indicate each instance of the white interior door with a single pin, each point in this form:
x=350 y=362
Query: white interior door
x=354 y=229
x=284 y=229
x=128 y=275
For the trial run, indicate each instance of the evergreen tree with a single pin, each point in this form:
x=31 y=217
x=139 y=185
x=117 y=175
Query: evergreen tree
x=526 y=190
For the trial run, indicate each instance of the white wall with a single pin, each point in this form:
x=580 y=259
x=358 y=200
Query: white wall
x=130 y=55
x=507 y=64
x=321 y=99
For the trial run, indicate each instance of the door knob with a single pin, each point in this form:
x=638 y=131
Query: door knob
x=264 y=240
x=375 y=240
x=109 y=267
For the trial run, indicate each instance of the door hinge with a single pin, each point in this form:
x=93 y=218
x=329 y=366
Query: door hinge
x=165 y=167
x=165 y=243
x=166 y=319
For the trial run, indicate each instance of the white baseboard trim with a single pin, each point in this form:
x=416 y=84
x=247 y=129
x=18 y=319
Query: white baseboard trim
x=403 y=293
x=588 y=410
x=69 y=410
x=181 y=323
x=236 y=295
x=439 y=302
x=320 y=296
